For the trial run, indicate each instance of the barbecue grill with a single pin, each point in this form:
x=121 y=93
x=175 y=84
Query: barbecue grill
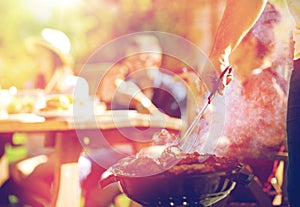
x=178 y=190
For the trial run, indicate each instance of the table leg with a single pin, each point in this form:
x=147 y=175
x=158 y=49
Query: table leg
x=4 y=139
x=66 y=187
x=4 y=172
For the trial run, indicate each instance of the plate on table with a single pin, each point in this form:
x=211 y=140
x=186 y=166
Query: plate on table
x=24 y=117
x=55 y=113
x=62 y=105
x=59 y=105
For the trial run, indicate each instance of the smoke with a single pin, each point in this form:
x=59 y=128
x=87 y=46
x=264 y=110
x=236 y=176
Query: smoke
x=255 y=112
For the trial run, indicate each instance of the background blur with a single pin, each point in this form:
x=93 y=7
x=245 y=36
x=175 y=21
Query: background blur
x=91 y=23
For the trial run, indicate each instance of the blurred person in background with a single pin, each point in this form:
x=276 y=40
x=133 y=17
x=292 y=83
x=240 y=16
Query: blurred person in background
x=231 y=30
x=51 y=52
x=54 y=72
x=54 y=76
x=139 y=72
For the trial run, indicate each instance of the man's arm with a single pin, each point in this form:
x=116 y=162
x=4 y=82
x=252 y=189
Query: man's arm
x=238 y=18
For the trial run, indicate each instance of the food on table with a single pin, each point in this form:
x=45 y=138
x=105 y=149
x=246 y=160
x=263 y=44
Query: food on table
x=58 y=103
x=20 y=105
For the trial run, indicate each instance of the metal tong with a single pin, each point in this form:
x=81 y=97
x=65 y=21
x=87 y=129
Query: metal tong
x=187 y=141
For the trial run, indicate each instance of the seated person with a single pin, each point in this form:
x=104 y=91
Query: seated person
x=141 y=71
x=54 y=72
x=53 y=63
x=55 y=76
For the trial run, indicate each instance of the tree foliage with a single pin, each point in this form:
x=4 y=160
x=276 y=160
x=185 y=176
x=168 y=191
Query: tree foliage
x=92 y=23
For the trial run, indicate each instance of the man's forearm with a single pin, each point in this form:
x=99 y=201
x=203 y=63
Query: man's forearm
x=238 y=18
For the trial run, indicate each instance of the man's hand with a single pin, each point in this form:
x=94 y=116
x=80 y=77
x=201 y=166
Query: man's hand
x=223 y=80
x=214 y=80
